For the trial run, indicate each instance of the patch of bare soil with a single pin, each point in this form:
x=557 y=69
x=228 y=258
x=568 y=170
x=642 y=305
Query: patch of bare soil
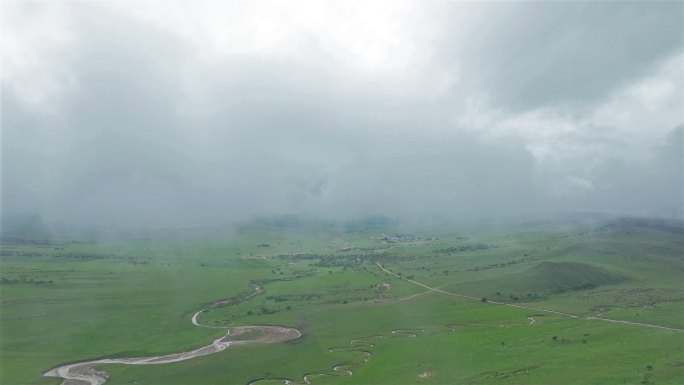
x=265 y=334
x=425 y=375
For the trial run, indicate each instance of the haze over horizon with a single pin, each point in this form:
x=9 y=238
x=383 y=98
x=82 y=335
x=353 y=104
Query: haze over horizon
x=176 y=113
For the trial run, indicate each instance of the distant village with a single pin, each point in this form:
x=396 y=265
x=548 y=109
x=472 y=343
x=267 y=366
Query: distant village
x=403 y=238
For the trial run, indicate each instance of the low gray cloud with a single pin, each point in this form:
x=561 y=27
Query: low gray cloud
x=155 y=121
x=530 y=54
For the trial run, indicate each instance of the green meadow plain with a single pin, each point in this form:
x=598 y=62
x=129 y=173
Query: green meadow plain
x=66 y=300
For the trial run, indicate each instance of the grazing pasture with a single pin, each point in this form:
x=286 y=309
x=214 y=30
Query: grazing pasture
x=521 y=305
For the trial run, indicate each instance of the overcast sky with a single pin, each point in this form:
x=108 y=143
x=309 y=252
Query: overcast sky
x=203 y=113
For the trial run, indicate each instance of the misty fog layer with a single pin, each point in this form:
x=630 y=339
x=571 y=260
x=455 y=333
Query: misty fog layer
x=181 y=114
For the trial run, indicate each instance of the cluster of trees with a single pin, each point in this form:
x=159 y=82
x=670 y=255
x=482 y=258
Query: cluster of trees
x=293 y=297
x=347 y=261
x=514 y=297
x=91 y=257
x=23 y=280
x=436 y=273
x=504 y=264
x=15 y=240
x=320 y=298
x=463 y=248
x=12 y=253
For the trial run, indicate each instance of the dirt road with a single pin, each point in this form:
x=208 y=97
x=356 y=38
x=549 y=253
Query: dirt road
x=634 y=323
x=528 y=307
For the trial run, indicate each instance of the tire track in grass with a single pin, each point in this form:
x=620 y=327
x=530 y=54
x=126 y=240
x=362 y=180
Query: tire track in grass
x=363 y=346
x=529 y=307
x=83 y=372
x=634 y=323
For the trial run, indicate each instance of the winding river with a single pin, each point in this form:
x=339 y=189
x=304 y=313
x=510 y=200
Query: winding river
x=85 y=373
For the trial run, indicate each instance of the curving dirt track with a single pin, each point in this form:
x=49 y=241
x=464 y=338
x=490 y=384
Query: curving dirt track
x=363 y=345
x=529 y=307
x=84 y=372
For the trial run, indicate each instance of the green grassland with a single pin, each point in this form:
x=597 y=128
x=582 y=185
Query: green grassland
x=67 y=300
